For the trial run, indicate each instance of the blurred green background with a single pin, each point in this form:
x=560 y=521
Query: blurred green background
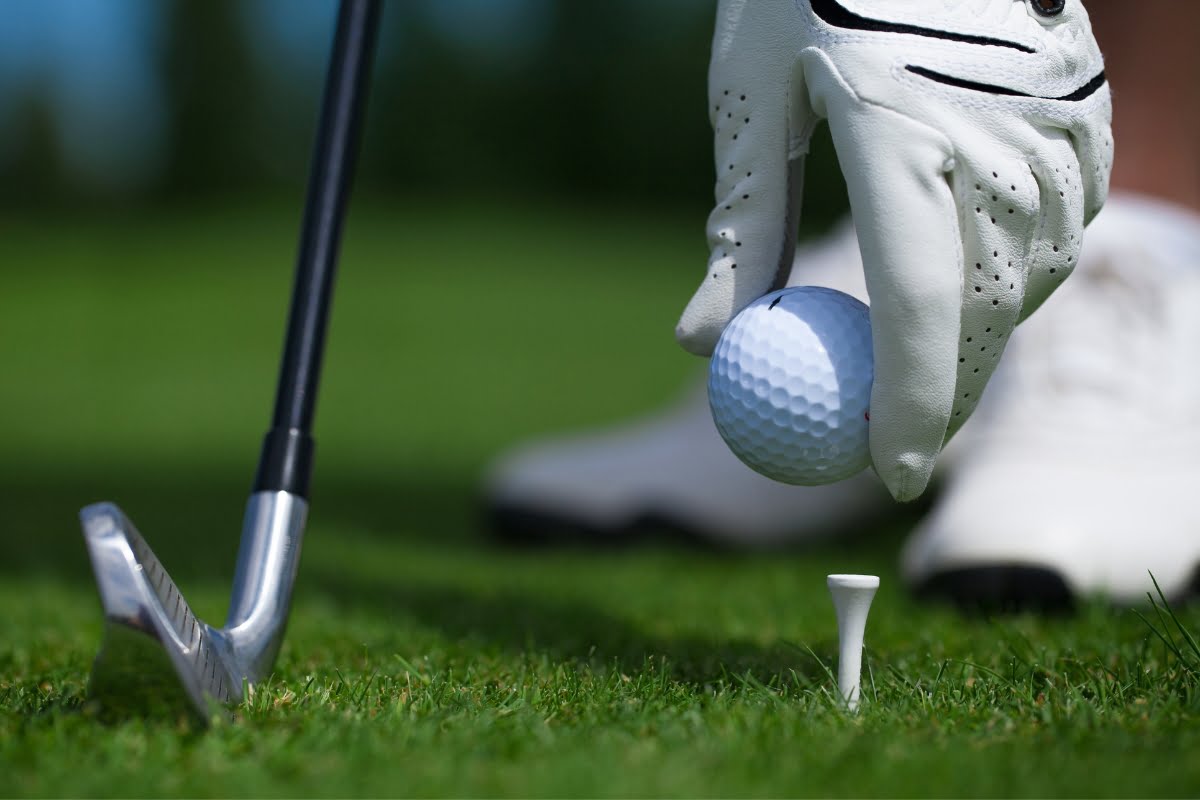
x=528 y=221
x=147 y=102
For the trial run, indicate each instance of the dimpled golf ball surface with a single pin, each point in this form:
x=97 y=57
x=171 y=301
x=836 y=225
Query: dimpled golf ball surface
x=790 y=385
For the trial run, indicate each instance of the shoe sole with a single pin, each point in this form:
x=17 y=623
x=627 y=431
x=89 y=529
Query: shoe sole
x=999 y=589
x=1011 y=589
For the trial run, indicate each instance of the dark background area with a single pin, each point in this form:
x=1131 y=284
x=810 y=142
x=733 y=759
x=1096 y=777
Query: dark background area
x=597 y=101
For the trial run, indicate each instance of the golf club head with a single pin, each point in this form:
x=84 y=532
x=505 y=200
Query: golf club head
x=157 y=657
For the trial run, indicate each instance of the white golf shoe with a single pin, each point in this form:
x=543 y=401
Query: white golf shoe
x=673 y=473
x=1075 y=477
x=1078 y=474
x=666 y=474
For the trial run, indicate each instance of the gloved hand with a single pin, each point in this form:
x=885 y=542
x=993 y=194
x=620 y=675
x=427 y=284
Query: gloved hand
x=974 y=136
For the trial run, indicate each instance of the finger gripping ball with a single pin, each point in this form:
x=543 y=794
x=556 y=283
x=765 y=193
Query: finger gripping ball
x=789 y=385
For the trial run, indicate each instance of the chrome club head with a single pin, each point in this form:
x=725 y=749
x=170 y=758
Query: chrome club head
x=157 y=655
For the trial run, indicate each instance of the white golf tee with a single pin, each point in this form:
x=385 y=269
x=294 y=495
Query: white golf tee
x=852 y=595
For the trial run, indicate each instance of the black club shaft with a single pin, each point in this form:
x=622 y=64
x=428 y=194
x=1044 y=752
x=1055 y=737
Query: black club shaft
x=286 y=462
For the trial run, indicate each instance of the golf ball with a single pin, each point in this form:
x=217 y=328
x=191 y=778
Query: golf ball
x=790 y=385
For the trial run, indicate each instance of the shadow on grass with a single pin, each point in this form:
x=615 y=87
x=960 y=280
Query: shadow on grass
x=576 y=633
x=194 y=522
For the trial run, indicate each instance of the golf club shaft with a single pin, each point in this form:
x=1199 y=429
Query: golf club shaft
x=286 y=461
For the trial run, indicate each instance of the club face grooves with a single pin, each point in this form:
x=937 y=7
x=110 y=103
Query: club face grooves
x=181 y=618
x=156 y=656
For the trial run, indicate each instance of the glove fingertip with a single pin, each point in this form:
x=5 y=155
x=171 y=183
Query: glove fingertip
x=906 y=475
x=697 y=341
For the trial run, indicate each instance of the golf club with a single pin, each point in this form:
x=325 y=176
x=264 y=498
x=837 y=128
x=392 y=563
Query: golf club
x=156 y=653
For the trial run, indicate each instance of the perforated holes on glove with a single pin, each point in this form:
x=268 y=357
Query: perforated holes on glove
x=999 y=211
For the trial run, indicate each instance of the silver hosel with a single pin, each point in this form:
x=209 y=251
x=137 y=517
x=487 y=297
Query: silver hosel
x=269 y=555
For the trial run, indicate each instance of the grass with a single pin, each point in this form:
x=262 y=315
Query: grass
x=422 y=660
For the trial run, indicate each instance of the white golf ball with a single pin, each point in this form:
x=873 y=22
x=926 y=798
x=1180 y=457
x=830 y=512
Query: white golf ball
x=790 y=385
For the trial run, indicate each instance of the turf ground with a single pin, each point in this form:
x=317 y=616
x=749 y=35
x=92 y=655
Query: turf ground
x=138 y=357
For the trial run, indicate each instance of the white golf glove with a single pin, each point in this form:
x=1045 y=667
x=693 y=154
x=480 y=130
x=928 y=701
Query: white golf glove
x=974 y=136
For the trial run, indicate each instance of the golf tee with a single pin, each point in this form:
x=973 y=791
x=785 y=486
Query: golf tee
x=852 y=595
